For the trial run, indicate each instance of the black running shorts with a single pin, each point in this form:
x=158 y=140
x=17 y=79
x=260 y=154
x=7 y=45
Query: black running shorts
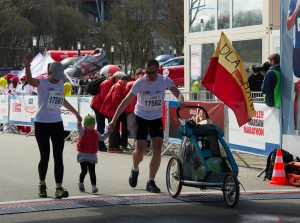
x=145 y=127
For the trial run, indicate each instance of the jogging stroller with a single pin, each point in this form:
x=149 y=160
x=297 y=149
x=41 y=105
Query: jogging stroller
x=204 y=161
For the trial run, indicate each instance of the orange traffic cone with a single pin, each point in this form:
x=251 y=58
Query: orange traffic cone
x=278 y=176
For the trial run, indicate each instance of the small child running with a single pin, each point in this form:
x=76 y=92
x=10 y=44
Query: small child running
x=87 y=147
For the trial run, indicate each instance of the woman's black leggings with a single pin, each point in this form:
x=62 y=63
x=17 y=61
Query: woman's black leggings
x=87 y=167
x=43 y=133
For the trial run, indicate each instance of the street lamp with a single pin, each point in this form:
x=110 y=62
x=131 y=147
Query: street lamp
x=94 y=46
x=174 y=52
x=202 y=25
x=120 y=52
x=162 y=49
x=170 y=49
x=78 y=48
x=33 y=45
x=112 y=49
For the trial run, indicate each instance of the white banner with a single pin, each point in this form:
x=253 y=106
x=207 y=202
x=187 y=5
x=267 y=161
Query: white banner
x=85 y=106
x=261 y=135
x=3 y=109
x=22 y=109
x=69 y=119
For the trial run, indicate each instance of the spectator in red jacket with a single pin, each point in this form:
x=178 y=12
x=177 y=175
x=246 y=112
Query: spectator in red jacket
x=129 y=110
x=97 y=102
x=108 y=109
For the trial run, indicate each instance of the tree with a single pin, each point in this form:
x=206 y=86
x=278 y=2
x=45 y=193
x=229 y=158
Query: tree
x=69 y=27
x=140 y=27
x=133 y=25
x=172 y=26
x=14 y=31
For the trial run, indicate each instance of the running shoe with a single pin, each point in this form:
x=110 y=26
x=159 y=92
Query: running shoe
x=151 y=187
x=133 y=178
x=94 y=189
x=61 y=193
x=42 y=191
x=81 y=187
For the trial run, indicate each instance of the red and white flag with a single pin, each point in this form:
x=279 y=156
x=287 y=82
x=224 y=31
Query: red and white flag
x=226 y=78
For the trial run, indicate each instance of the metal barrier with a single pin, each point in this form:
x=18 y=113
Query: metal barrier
x=202 y=95
x=258 y=97
x=80 y=90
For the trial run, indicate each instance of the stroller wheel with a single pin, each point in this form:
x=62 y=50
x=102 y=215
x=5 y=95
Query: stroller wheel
x=174 y=177
x=231 y=190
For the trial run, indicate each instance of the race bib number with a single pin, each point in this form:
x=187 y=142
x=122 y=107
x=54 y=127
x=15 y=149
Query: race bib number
x=152 y=103
x=55 y=100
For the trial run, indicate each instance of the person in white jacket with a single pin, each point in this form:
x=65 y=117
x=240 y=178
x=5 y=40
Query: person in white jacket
x=24 y=88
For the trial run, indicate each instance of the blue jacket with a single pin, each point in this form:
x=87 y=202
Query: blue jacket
x=269 y=85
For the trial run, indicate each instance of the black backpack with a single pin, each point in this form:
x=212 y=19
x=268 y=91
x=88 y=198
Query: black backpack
x=286 y=156
x=93 y=86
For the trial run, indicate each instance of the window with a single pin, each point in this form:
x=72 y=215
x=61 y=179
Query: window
x=247 y=13
x=174 y=62
x=200 y=59
x=249 y=51
x=206 y=15
x=223 y=14
x=202 y=15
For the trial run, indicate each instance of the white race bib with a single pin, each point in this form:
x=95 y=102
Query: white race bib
x=152 y=103
x=55 y=100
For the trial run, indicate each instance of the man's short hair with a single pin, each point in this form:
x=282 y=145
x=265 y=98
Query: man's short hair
x=118 y=74
x=275 y=57
x=139 y=71
x=152 y=62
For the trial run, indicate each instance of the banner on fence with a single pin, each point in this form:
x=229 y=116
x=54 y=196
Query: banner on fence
x=85 y=106
x=214 y=109
x=69 y=119
x=260 y=135
x=22 y=109
x=3 y=109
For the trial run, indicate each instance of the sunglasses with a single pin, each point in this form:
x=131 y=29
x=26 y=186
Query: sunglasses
x=151 y=73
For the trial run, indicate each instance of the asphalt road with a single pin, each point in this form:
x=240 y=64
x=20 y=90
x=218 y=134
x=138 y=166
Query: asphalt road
x=19 y=180
x=209 y=212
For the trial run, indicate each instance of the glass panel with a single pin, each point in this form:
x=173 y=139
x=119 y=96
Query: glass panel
x=174 y=62
x=223 y=14
x=247 y=13
x=250 y=51
x=202 y=15
x=200 y=58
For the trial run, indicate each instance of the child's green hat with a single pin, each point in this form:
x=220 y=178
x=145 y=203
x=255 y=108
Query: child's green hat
x=88 y=120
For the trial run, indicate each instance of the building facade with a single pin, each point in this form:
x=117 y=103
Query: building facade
x=252 y=26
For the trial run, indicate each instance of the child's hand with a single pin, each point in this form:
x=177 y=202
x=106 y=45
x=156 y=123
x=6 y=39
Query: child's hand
x=111 y=127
